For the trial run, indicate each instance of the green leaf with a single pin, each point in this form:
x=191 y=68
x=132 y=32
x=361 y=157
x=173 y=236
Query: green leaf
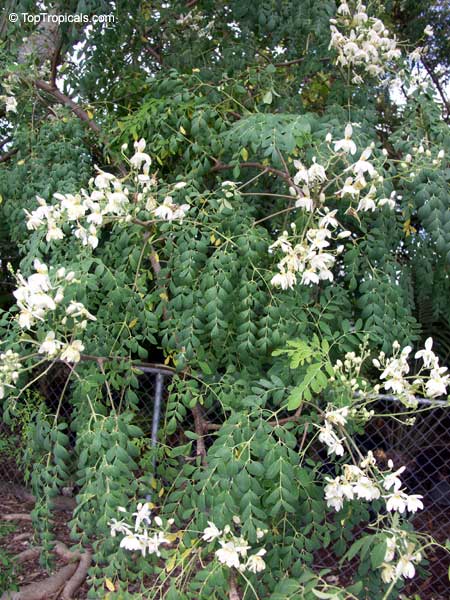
x=267 y=98
x=312 y=377
x=377 y=554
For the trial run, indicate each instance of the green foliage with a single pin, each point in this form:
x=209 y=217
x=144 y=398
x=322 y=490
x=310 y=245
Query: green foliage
x=8 y=569
x=237 y=90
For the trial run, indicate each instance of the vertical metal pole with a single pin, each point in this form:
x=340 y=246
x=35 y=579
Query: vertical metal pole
x=159 y=387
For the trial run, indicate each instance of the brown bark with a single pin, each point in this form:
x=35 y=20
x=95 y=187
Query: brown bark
x=43 y=590
x=199 y=424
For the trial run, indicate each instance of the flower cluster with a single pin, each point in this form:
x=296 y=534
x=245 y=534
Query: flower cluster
x=309 y=257
x=9 y=99
x=359 y=183
x=9 y=370
x=233 y=551
x=363 y=43
x=10 y=103
x=357 y=175
x=139 y=537
x=400 y=551
x=108 y=200
x=358 y=483
x=396 y=368
x=334 y=417
x=42 y=293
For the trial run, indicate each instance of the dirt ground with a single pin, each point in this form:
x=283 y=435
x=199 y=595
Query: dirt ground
x=17 y=536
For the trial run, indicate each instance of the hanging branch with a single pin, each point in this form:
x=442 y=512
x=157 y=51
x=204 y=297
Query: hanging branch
x=5 y=157
x=220 y=166
x=438 y=86
x=66 y=101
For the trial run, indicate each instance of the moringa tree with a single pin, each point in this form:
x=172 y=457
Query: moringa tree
x=249 y=192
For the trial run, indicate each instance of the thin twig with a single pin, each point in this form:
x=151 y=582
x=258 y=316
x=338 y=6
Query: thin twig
x=220 y=166
x=8 y=155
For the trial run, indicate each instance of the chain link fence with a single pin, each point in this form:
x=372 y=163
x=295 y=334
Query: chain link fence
x=418 y=439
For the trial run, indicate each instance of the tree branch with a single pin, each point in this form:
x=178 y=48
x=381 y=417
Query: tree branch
x=5 y=141
x=199 y=424
x=5 y=157
x=156 y=55
x=219 y=166
x=66 y=101
x=437 y=85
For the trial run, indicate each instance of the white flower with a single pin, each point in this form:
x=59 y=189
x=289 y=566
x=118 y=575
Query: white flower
x=71 y=352
x=365 y=489
x=77 y=309
x=387 y=573
x=414 y=503
x=50 y=345
x=328 y=219
x=397 y=502
x=349 y=189
x=309 y=276
x=391 y=546
x=153 y=543
x=169 y=211
x=11 y=104
x=328 y=437
x=228 y=554
x=302 y=173
x=119 y=527
x=255 y=563
x=92 y=238
x=389 y=201
x=131 y=542
x=337 y=416
x=334 y=493
x=241 y=546
x=428 y=31
x=367 y=203
x=316 y=173
x=211 y=533
x=116 y=203
x=427 y=355
x=396 y=382
x=284 y=280
x=438 y=382
x=347 y=144
x=305 y=201
x=343 y=9
x=392 y=480
x=36 y=218
x=140 y=158
x=369 y=461
x=103 y=180
x=405 y=567
x=179 y=185
x=363 y=165
x=142 y=515
x=54 y=232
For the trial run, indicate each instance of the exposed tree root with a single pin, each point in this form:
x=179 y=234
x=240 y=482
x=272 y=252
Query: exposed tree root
x=78 y=578
x=43 y=590
x=21 y=536
x=63 y=584
x=28 y=554
x=16 y=517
